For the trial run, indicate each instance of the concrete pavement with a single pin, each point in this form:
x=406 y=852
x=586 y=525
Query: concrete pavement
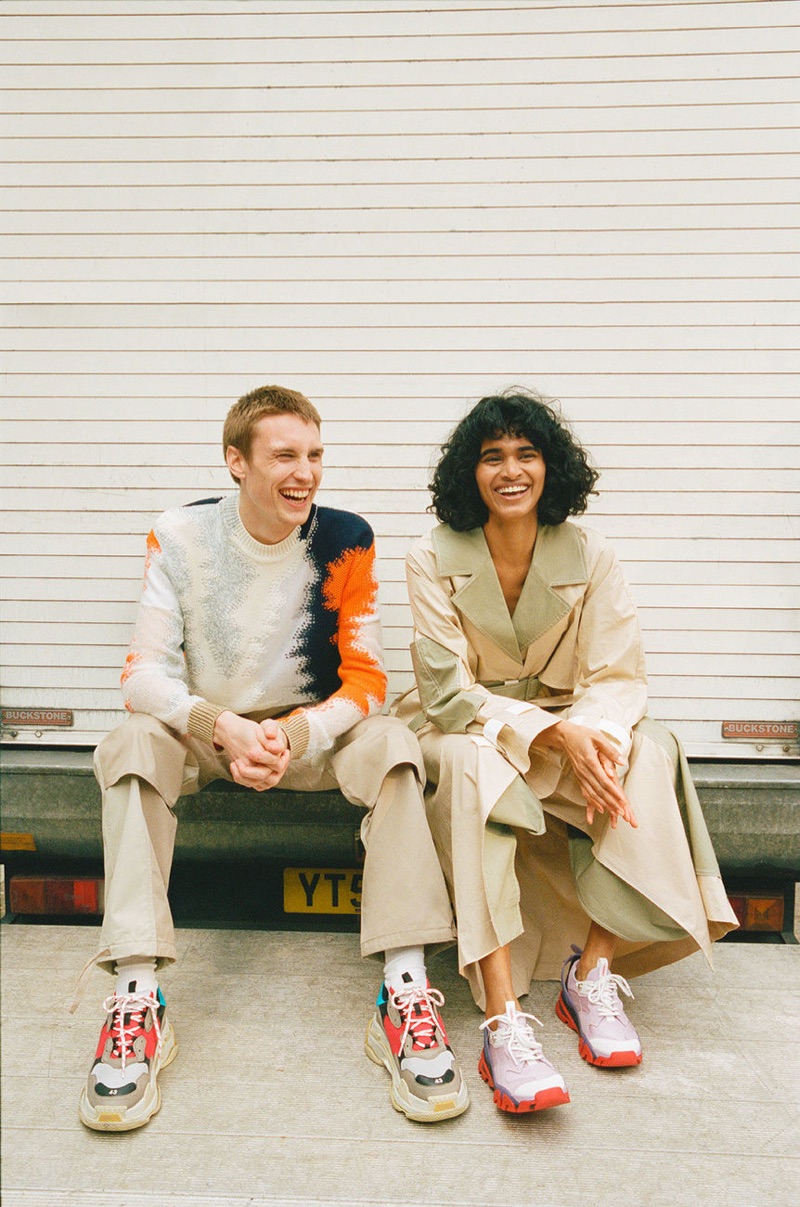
x=271 y=1099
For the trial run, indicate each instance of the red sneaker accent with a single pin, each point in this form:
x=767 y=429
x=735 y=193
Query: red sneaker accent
x=122 y=1029
x=541 y=1101
x=564 y=1014
x=617 y=1060
x=593 y=1010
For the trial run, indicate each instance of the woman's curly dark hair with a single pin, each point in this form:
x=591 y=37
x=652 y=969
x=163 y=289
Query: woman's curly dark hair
x=569 y=479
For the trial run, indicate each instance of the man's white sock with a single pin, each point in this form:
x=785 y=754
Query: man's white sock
x=137 y=974
x=400 y=960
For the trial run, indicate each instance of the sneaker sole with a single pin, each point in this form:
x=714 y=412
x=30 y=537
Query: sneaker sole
x=553 y=1096
x=420 y=1110
x=617 y=1060
x=104 y=1119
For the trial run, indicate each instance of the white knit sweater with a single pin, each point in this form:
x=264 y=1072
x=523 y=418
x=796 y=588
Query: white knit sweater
x=287 y=630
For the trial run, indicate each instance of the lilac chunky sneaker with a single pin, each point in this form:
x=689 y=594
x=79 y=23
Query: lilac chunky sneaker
x=593 y=1009
x=513 y=1065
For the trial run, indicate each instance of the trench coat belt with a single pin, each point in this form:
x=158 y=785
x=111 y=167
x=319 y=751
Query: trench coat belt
x=516 y=689
x=526 y=689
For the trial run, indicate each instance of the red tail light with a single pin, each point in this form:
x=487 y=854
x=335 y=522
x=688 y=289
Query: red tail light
x=55 y=895
x=759 y=913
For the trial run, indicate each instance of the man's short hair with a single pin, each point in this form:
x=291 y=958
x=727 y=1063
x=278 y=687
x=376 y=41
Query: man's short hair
x=266 y=400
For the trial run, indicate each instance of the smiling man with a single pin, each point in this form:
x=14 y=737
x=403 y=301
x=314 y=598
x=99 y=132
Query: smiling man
x=256 y=657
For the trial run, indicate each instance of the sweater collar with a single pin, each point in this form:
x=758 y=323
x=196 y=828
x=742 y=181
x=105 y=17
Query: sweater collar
x=229 y=508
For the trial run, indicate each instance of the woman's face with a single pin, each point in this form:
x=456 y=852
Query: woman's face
x=510 y=475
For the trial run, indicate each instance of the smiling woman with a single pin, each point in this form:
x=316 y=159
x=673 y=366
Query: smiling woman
x=510 y=471
x=510 y=477
x=553 y=799
x=486 y=434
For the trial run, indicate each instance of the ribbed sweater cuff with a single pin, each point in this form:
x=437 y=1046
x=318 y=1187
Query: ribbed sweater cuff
x=297 y=732
x=202 y=719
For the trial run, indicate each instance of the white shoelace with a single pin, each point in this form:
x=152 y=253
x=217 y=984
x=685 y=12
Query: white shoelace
x=517 y=1035
x=417 y=1005
x=132 y=1006
x=602 y=993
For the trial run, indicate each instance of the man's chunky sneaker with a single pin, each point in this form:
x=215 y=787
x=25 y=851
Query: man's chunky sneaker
x=136 y=1043
x=514 y=1066
x=593 y=1009
x=406 y=1035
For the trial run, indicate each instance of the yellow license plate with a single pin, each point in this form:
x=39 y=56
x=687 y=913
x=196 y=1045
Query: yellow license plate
x=322 y=890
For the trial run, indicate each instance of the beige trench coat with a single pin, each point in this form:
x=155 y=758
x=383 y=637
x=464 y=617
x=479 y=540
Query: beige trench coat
x=572 y=649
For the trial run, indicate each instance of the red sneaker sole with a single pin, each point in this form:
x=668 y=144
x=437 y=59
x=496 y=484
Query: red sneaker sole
x=617 y=1060
x=541 y=1102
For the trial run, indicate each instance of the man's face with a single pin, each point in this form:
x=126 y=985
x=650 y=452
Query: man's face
x=279 y=479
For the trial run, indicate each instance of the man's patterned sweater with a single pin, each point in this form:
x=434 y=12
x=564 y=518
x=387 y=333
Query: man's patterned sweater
x=289 y=630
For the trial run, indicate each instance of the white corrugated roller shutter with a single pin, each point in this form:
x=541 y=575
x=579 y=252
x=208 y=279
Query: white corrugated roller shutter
x=395 y=207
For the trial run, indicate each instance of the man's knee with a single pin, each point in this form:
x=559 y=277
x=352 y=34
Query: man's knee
x=385 y=741
x=142 y=746
x=375 y=752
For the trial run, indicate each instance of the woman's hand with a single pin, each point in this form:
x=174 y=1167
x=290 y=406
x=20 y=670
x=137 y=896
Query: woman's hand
x=594 y=760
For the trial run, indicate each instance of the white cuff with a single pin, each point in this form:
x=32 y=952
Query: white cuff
x=617 y=733
x=491 y=730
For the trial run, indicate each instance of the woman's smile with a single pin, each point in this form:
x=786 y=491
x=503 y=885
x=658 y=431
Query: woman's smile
x=510 y=476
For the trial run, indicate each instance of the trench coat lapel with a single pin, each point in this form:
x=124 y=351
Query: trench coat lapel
x=558 y=561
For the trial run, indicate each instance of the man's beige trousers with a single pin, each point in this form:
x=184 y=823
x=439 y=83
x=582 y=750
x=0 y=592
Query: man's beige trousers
x=143 y=767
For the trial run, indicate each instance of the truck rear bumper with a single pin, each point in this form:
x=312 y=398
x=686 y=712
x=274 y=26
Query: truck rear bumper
x=51 y=801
